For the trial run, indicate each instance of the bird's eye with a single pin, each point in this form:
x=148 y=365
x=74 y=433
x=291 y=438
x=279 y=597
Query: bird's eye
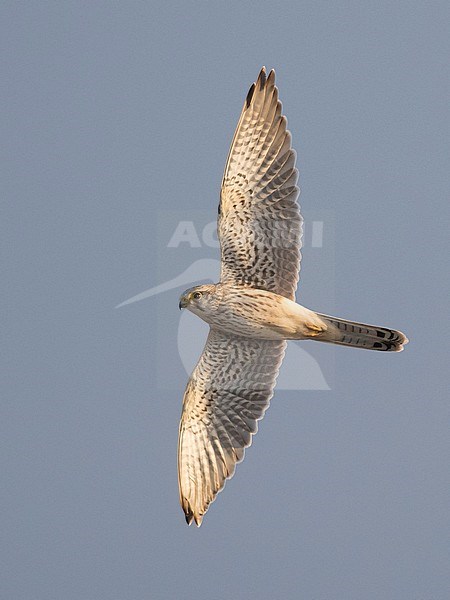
x=197 y=295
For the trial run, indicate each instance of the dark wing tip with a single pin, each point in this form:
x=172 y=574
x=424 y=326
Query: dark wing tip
x=198 y=520
x=262 y=78
x=260 y=83
x=190 y=516
x=250 y=95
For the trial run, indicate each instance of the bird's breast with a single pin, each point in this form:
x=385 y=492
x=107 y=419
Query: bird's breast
x=249 y=313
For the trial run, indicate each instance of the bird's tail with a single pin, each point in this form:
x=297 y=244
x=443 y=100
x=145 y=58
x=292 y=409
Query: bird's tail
x=360 y=335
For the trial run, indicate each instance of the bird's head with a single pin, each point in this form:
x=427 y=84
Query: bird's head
x=199 y=299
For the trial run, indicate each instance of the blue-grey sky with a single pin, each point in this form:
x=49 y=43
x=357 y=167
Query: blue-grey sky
x=116 y=120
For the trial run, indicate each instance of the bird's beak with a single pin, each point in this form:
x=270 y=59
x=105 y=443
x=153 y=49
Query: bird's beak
x=183 y=302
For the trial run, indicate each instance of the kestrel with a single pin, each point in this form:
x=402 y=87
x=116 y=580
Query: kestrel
x=252 y=310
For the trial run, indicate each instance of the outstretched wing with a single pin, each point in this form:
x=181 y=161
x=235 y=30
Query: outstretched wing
x=229 y=390
x=259 y=224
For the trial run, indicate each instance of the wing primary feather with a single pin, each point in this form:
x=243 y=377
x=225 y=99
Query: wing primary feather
x=250 y=95
x=262 y=78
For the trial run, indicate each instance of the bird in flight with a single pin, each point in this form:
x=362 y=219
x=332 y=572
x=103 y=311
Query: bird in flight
x=252 y=310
